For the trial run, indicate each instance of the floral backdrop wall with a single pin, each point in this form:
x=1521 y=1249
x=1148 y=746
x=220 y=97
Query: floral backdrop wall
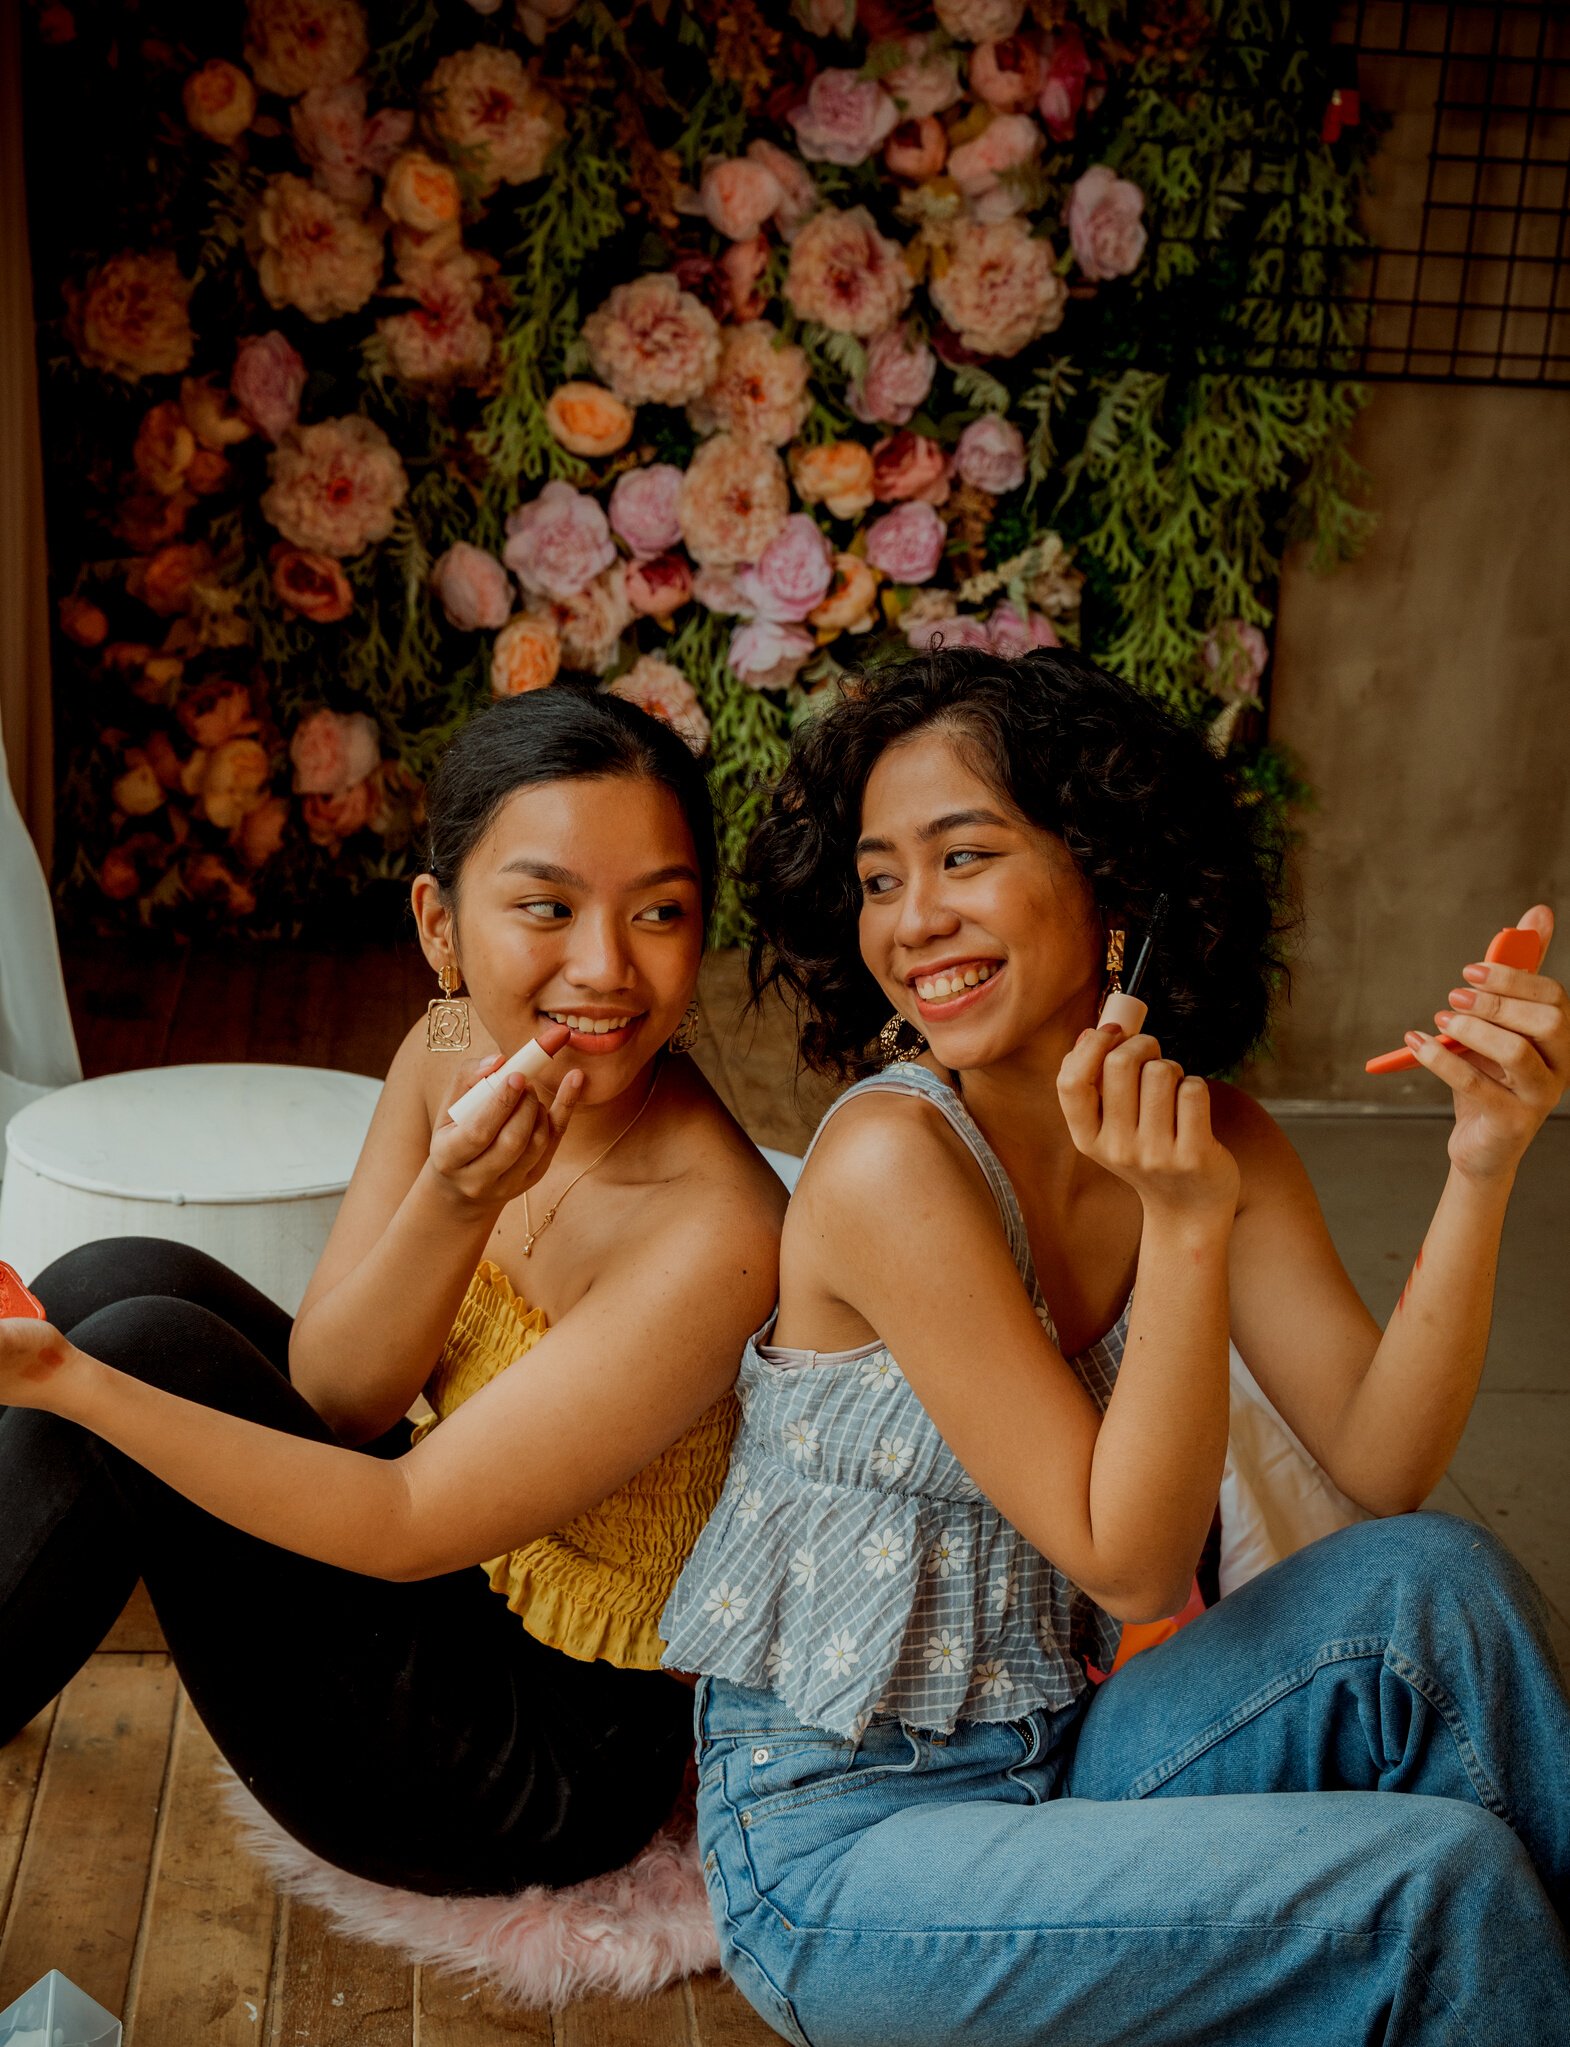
x=396 y=356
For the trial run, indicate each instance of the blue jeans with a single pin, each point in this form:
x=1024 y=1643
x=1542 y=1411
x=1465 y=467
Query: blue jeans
x=1198 y=1852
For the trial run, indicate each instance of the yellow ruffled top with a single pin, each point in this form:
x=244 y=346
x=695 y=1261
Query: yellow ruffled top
x=596 y=1587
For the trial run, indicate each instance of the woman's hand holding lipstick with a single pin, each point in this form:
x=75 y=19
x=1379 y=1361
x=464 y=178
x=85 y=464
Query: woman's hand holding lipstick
x=1145 y=1121
x=1507 y=1059
x=508 y=1135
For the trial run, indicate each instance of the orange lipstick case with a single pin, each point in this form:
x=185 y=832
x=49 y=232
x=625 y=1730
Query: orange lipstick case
x=15 y=1300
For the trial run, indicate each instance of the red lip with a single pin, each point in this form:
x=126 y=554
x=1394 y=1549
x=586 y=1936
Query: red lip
x=600 y=1044
x=955 y=1005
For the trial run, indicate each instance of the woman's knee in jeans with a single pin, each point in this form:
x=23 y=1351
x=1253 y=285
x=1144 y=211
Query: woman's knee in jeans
x=112 y=1269
x=1438 y=1554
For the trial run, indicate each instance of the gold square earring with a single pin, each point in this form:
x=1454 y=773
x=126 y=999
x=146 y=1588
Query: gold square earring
x=894 y=1054
x=685 y=1035
x=447 y=1015
x=1114 y=962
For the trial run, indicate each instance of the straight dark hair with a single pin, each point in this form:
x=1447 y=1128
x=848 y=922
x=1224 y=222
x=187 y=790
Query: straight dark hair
x=568 y=732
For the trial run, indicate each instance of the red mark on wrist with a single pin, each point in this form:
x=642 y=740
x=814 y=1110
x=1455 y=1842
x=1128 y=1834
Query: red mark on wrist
x=1416 y=1269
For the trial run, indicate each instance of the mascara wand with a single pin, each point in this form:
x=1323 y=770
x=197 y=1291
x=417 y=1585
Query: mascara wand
x=1122 y=1006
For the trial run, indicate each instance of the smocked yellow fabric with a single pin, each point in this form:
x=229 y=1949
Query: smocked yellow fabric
x=594 y=1588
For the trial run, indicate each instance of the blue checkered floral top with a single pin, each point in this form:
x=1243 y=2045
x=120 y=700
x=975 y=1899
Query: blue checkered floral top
x=851 y=1565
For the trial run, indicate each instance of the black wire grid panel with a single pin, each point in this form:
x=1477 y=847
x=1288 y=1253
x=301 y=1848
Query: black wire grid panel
x=1458 y=270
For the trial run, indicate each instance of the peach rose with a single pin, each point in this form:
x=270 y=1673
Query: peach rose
x=907 y=543
x=1104 y=223
x=83 y=622
x=209 y=879
x=917 y=150
x=744 y=264
x=211 y=414
x=472 y=588
x=980 y=21
x=665 y=693
x=999 y=289
x=311 y=584
x=163 y=448
x=267 y=380
x=165 y=762
x=799 y=192
x=852 y=602
x=146 y=520
x=837 y=475
x=659 y=587
x=332 y=750
x=129 y=317
x=845 y=275
x=235 y=782
x=215 y=711
x=329 y=820
x=558 y=542
x=1006 y=74
x=738 y=194
x=118 y=874
x=336 y=486
x=525 y=655
x=262 y=830
x=590 y=623
x=209 y=472
x=734 y=499
x=164 y=581
x=652 y=342
x=910 y=465
x=896 y=381
x=422 y=195
x=846 y=118
x=219 y=101
x=137 y=792
x=928 y=81
x=444 y=339
x=588 y=420
x=495 y=116
x=760 y=387
x=293 y=45
x=313 y=252
x=989 y=171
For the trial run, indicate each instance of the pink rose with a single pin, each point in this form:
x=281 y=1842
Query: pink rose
x=759 y=390
x=1010 y=635
x=590 y=623
x=643 y=509
x=799 y=199
x=845 y=120
x=329 y=820
x=988 y=170
x=845 y=275
x=744 y=264
x=336 y=486
x=312 y=251
x=1236 y=656
x=928 y=82
x=734 y=498
x=907 y=543
x=657 y=588
x=991 y=455
x=443 y=339
x=495 y=116
x=738 y=195
x=910 y=465
x=716 y=590
x=339 y=142
x=769 y=656
x=1063 y=82
x=293 y=45
x=925 y=632
x=332 y=750
x=1104 y=223
x=472 y=588
x=792 y=575
x=1006 y=74
x=980 y=21
x=652 y=342
x=558 y=542
x=899 y=375
x=1000 y=290
x=267 y=379
x=917 y=150
x=665 y=693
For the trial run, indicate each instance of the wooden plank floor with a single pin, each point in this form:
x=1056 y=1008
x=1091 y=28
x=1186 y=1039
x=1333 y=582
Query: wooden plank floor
x=118 y=1865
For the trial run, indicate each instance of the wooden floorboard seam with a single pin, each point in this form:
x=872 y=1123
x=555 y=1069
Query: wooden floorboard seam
x=149 y=1882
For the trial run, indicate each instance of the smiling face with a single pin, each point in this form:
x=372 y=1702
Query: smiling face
x=580 y=905
x=977 y=924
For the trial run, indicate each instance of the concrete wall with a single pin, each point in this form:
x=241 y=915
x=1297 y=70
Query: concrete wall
x=1426 y=688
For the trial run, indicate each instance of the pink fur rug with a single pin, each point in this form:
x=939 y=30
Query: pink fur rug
x=625 y=1934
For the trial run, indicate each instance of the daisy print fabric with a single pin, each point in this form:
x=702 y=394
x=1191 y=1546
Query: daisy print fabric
x=852 y=1567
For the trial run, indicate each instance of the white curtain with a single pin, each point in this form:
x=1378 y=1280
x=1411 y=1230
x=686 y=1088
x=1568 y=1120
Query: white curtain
x=37 y=1045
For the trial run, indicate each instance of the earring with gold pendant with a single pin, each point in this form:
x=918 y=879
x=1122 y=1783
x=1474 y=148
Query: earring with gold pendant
x=447 y=1015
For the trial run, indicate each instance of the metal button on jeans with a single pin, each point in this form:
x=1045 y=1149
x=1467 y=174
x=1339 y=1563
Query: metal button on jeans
x=760 y=1755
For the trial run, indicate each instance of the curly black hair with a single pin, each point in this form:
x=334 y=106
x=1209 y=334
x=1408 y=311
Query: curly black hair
x=1142 y=805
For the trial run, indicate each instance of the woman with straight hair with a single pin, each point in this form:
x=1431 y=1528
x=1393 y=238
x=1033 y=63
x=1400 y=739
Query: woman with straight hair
x=987 y=1425
x=570 y=1274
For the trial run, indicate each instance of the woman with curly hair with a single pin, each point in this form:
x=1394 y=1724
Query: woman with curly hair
x=988 y=1425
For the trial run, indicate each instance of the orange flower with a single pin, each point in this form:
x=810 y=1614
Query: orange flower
x=588 y=420
x=329 y=820
x=138 y=792
x=851 y=604
x=235 y=782
x=82 y=621
x=209 y=472
x=215 y=711
x=422 y=195
x=166 y=764
x=219 y=101
x=147 y=520
x=209 y=879
x=311 y=584
x=838 y=475
x=525 y=655
x=262 y=830
x=212 y=414
x=129 y=317
x=118 y=874
x=164 y=448
x=164 y=580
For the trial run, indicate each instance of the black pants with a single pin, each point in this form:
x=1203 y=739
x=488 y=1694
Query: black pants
x=410 y=1733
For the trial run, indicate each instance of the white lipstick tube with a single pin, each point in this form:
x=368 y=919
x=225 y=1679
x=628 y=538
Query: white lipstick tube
x=531 y=1060
x=1126 y=1010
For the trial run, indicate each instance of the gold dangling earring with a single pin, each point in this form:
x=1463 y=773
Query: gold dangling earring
x=889 y=1044
x=1114 y=962
x=685 y=1035
x=446 y=1017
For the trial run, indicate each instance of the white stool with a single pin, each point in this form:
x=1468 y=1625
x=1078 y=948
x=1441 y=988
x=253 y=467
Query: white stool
x=248 y=1163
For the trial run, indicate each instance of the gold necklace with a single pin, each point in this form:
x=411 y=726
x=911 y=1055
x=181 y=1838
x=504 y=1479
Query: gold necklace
x=532 y=1236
